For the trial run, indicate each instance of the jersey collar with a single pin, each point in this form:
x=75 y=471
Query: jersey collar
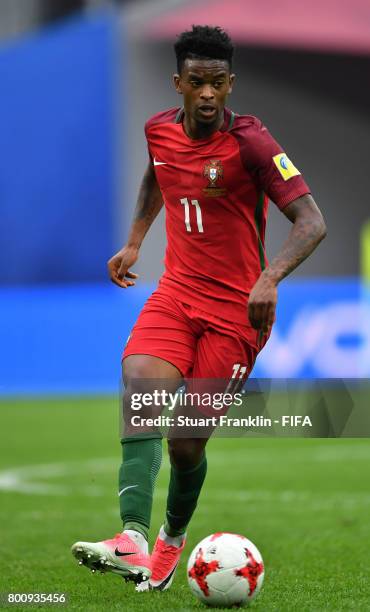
x=229 y=117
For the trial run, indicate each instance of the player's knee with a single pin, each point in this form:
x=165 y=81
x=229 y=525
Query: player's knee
x=185 y=454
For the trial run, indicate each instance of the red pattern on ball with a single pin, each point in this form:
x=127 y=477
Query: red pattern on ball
x=218 y=534
x=251 y=571
x=201 y=569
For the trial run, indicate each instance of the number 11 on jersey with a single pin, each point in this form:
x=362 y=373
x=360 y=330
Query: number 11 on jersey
x=195 y=203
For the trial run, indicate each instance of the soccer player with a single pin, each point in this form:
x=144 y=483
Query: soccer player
x=214 y=171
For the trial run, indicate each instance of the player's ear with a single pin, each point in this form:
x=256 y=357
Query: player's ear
x=231 y=82
x=176 y=81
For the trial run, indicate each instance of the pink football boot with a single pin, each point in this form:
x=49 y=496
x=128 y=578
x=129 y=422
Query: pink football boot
x=120 y=555
x=165 y=559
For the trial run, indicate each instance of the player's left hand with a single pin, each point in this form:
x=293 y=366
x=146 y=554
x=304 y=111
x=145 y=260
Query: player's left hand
x=262 y=304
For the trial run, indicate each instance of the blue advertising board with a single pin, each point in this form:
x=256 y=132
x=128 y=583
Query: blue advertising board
x=69 y=339
x=57 y=153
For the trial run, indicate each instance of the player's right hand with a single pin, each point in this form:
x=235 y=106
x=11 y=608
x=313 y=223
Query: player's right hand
x=119 y=264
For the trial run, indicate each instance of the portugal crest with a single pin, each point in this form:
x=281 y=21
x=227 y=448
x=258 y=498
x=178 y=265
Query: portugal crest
x=214 y=171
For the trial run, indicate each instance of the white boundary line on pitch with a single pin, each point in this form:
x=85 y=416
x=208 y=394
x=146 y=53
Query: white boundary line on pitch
x=26 y=480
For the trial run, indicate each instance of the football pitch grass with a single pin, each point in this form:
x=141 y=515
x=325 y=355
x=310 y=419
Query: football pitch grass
x=304 y=503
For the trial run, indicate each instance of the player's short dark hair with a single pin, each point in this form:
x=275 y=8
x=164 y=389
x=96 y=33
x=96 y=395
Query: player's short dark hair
x=203 y=42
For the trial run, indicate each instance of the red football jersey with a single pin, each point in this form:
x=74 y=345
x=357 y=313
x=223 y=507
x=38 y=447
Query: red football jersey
x=216 y=193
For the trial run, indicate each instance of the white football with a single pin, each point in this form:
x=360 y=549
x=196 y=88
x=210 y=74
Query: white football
x=225 y=569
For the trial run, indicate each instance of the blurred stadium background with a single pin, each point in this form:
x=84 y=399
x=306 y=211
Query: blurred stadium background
x=78 y=80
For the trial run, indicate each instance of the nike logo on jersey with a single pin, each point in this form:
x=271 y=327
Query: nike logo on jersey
x=158 y=163
x=125 y=489
x=118 y=553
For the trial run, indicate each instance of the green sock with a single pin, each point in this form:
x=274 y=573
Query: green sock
x=137 y=475
x=183 y=493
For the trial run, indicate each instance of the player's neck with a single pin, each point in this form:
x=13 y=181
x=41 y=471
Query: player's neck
x=197 y=131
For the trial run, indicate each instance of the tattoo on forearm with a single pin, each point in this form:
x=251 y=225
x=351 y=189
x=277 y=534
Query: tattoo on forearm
x=149 y=200
x=304 y=237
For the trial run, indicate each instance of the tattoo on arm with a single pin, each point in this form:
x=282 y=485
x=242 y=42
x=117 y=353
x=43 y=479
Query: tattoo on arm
x=307 y=232
x=149 y=203
x=149 y=200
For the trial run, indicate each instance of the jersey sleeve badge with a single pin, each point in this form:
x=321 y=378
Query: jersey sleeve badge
x=285 y=166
